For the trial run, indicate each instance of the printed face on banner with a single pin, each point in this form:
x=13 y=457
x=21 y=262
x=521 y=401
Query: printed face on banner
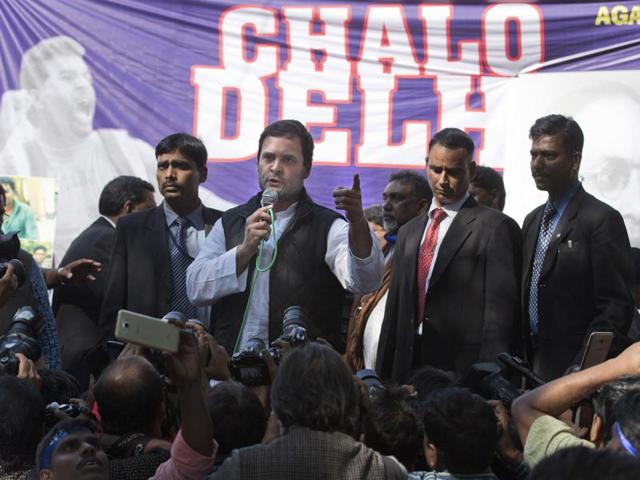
x=553 y=168
x=281 y=167
x=67 y=98
x=449 y=171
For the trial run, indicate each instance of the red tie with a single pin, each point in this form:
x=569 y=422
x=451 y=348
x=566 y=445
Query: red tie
x=425 y=258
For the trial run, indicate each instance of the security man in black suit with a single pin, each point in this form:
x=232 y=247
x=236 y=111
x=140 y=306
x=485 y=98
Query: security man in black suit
x=76 y=306
x=577 y=275
x=154 y=248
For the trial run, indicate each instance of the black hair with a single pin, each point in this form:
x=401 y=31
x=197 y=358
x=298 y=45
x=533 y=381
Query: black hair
x=69 y=425
x=3 y=194
x=290 y=129
x=392 y=426
x=21 y=422
x=418 y=183
x=565 y=127
x=464 y=429
x=129 y=394
x=453 y=138
x=314 y=388
x=58 y=385
x=627 y=414
x=8 y=181
x=606 y=398
x=239 y=418
x=428 y=379
x=583 y=463
x=489 y=179
x=373 y=214
x=189 y=146
x=121 y=190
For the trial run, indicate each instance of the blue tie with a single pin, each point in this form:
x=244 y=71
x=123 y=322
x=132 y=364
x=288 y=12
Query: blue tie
x=544 y=238
x=180 y=261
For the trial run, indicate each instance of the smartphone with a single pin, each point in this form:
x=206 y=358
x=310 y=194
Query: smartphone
x=148 y=331
x=595 y=352
x=597 y=349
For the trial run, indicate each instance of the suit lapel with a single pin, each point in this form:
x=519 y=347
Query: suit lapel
x=564 y=227
x=457 y=233
x=157 y=236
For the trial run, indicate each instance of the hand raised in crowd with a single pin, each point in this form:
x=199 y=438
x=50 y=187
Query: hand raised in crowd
x=350 y=200
x=185 y=366
x=79 y=271
x=8 y=284
x=214 y=358
x=628 y=362
x=28 y=371
x=506 y=449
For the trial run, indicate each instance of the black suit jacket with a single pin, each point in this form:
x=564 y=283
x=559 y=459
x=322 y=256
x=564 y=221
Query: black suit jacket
x=140 y=276
x=472 y=304
x=83 y=301
x=585 y=283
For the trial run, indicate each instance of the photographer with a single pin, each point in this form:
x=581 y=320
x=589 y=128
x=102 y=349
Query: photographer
x=538 y=413
x=317 y=404
x=31 y=292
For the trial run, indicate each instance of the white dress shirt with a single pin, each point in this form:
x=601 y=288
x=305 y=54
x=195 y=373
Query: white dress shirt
x=213 y=274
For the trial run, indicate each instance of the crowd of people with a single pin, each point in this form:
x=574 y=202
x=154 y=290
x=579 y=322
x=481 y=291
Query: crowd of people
x=428 y=337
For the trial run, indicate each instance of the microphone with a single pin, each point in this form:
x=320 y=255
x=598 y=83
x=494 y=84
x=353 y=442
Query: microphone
x=269 y=197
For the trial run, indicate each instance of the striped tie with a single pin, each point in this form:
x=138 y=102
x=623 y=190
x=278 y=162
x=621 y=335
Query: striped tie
x=180 y=261
x=544 y=238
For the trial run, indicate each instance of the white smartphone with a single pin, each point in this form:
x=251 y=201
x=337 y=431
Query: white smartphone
x=148 y=331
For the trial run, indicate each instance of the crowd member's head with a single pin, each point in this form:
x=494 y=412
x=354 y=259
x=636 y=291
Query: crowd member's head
x=625 y=434
x=406 y=195
x=556 y=152
x=238 y=416
x=450 y=165
x=392 y=427
x=373 y=214
x=181 y=168
x=582 y=463
x=461 y=431
x=70 y=451
x=21 y=423
x=314 y=388
x=125 y=194
x=487 y=187
x=285 y=155
x=60 y=83
x=428 y=379
x=130 y=395
x=603 y=405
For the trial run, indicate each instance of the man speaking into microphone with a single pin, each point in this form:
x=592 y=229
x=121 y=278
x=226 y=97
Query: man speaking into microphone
x=251 y=268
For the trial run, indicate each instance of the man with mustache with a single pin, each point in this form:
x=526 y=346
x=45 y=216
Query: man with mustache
x=153 y=248
x=454 y=297
x=319 y=254
x=577 y=275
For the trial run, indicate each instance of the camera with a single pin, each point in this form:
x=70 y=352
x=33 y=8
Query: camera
x=9 y=249
x=20 y=338
x=247 y=365
x=491 y=380
x=371 y=380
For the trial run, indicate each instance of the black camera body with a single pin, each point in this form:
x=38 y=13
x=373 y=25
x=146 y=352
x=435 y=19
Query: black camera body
x=20 y=338
x=372 y=381
x=247 y=365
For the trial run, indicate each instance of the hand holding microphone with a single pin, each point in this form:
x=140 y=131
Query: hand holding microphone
x=257 y=227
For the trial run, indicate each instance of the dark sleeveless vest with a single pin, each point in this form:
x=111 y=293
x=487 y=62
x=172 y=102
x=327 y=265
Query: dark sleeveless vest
x=299 y=275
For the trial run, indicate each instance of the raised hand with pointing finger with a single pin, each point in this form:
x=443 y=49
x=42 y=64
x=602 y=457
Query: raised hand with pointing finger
x=350 y=201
